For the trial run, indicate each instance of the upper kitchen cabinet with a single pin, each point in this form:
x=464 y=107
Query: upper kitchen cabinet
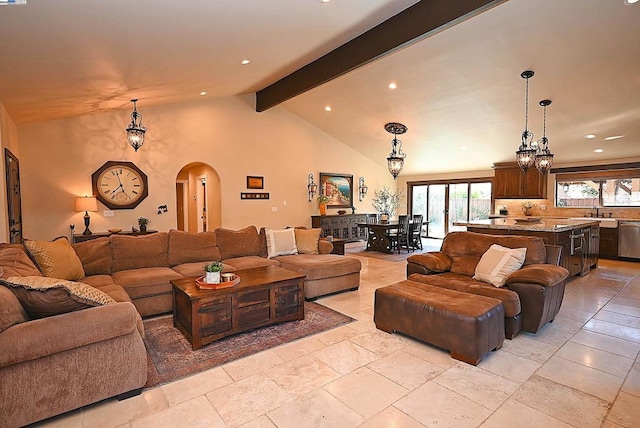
x=510 y=182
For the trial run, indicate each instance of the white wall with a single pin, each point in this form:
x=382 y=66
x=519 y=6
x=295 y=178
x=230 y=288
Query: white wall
x=58 y=158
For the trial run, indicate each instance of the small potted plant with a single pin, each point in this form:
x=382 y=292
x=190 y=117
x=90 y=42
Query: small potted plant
x=212 y=272
x=143 y=222
x=323 y=200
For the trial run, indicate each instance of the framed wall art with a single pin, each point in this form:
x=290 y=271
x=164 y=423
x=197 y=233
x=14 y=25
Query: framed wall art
x=254 y=195
x=339 y=189
x=255 y=182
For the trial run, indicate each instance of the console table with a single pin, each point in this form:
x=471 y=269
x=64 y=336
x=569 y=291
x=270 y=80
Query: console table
x=79 y=237
x=342 y=226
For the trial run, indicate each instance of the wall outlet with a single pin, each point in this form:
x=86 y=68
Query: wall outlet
x=543 y=207
x=108 y=213
x=284 y=203
x=274 y=209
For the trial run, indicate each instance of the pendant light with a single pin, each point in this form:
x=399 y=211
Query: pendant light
x=526 y=154
x=135 y=130
x=544 y=157
x=395 y=161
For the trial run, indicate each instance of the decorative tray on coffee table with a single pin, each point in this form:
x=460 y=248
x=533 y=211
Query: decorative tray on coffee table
x=234 y=280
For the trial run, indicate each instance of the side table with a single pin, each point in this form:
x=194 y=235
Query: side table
x=338 y=246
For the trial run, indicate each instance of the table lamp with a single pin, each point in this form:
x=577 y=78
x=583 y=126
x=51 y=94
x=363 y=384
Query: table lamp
x=86 y=204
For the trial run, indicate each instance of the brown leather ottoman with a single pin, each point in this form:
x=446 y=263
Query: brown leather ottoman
x=468 y=325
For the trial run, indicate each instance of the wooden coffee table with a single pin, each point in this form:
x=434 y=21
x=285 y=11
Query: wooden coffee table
x=264 y=296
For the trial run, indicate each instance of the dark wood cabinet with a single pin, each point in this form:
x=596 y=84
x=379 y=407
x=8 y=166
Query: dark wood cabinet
x=510 y=182
x=609 y=243
x=342 y=226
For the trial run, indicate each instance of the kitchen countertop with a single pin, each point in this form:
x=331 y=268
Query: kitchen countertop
x=544 y=225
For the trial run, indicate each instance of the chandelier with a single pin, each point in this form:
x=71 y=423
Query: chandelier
x=531 y=152
x=395 y=161
x=135 y=130
x=544 y=157
x=526 y=154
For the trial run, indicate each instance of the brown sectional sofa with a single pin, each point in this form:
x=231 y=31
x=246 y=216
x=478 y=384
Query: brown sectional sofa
x=531 y=296
x=145 y=265
x=101 y=349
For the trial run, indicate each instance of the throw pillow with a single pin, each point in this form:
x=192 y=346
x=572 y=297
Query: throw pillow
x=307 y=240
x=281 y=242
x=498 y=262
x=42 y=296
x=15 y=262
x=56 y=259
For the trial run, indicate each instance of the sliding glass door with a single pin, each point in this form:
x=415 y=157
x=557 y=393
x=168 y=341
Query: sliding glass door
x=446 y=203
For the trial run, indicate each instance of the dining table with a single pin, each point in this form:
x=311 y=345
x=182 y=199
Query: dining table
x=378 y=236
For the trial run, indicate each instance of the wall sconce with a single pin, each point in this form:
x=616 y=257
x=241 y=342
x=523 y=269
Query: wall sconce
x=312 y=187
x=362 y=189
x=86 y=204
x=135 y=130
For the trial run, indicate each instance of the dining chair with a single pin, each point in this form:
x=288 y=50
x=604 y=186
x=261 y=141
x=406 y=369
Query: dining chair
x=416 y=232
x=402 y=237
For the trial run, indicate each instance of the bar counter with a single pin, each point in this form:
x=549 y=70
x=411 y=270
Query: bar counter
x=545 y=224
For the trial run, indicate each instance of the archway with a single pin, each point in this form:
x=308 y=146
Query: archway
x=198 y=201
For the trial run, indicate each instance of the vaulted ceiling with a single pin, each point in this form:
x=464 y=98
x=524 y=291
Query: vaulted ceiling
x=459 y=91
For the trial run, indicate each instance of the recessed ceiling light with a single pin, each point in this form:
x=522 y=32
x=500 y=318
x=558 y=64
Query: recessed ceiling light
x=630 y=1
x=393 y=85
x=325 y=1
x=598 y=150
x=203 y=93
x=590 y=136
x=613 y=137
x=245 y=61
x=327 y=108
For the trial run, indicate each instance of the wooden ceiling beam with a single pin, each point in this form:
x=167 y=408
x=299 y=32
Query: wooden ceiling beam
x=413 y=24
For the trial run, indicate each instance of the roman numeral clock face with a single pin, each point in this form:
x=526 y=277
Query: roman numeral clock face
x=119 y=185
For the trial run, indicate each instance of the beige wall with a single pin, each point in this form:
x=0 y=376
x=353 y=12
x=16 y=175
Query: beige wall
x=58 y=158
x=8 y=140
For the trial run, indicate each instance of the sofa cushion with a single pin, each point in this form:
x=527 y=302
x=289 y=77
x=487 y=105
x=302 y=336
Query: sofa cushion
x=96 y=256
x=280 y=242
x=320 y=266
x=15 y=262
x=238 y=243
x=146 y=282
x=185 y=247
x=56 y=259
x=135 y=252
x=98 y=281
x=307 y=240
x=43 y=296
x=435 y=261
x=11 y=311
x=249 y=262
x=466 y=248
x=497 y=263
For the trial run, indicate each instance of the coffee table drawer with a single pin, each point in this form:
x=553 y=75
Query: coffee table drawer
x=215 y=316
x=252 y=297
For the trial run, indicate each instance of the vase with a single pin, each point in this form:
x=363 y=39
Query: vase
x=384 y=218
x=143 y=228
x=527 y=211
x=323 y=209
x=212 y=277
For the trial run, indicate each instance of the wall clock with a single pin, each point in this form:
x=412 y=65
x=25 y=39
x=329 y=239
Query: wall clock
x=119 y=185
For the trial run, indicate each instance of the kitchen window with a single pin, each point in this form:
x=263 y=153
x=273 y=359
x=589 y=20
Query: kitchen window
x=612 y=187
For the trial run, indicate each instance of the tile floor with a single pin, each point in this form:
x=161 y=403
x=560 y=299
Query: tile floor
x=583 y=370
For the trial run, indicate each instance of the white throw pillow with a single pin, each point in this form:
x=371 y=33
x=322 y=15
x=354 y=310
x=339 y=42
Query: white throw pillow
x=498 y=262
x=281 y=242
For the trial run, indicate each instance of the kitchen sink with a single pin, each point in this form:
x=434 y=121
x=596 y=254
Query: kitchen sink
x=608 y=223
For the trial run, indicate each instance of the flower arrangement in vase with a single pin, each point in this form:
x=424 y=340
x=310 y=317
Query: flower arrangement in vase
x=212 y=272
x=386 y=202
x=323 y=200
x=527 y=208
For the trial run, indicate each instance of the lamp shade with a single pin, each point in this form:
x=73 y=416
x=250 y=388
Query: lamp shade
x=87 y=203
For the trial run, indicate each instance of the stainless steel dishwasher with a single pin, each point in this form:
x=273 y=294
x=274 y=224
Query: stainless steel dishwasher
x=629 y=239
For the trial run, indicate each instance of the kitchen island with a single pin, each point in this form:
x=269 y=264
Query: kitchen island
x=578 y=238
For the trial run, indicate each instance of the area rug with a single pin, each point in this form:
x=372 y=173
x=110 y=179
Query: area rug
x=170 y=357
